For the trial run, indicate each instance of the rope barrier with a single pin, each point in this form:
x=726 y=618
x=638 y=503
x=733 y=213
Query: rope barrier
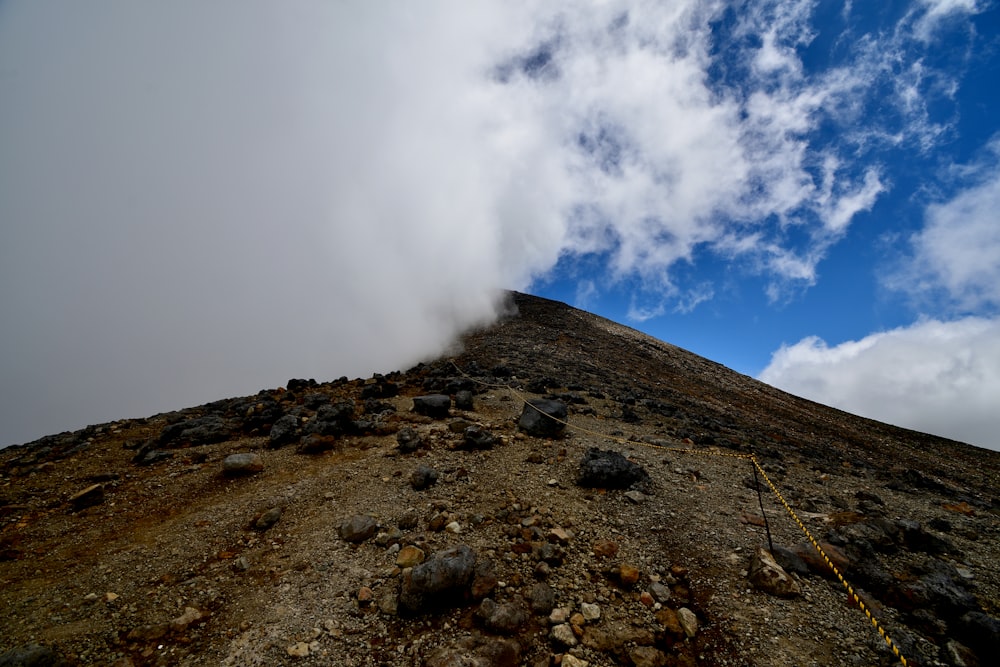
x=852 y=593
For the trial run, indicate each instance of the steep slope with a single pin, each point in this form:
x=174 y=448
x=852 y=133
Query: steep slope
x=131 y=544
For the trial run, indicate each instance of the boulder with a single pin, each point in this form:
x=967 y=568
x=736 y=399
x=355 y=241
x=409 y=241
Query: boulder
x=539 y=418
x=357 y=528
x=503 y=618
x=284 y=430
x=476 y=437
x=335 y=419
x=408 y=440
x=205 y=430
x=246 y=463
x=766 y=575
x=443 y=578
x=433 y=405
x=609 y=470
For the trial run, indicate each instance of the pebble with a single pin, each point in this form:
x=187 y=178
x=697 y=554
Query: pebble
x=628 y=575
x=591 y=612
x=410 y=556
x=570 y=660
x=563 y=634
x=688 y=621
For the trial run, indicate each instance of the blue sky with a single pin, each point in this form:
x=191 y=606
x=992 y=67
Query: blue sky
x=200 y=201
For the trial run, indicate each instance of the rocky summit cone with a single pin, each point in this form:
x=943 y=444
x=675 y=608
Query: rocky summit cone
x=565 y=490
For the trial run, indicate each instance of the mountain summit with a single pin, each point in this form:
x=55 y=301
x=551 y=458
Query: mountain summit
x=562 y=490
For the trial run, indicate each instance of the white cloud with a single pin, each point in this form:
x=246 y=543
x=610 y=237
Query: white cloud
x=937 y=12
x=937 y=377
x=204 y=199
x=957 y=253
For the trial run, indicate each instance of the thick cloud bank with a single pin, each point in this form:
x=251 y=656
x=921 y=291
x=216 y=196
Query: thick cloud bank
x=203 y=199
x=937 y=377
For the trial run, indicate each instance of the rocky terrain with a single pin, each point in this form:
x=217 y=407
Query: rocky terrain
x=432 y=517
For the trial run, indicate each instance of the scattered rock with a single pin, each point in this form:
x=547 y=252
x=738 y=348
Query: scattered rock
x=766 y=575
x=563 y=634
x=284 y=431
x=503 y=618
x=463 y=400
x=435 y=406
x=539 y=418
x=688 y=621
x=609 y=470
x=245 y=463
x=543 y=599
x=205 y=430
x=267 y=519
x=440 y=580
x=298 y=650
x=358 y=528
x=476 y=437
x=410 y=556
x=31 y=655
x=408 y=440
x=423 y=477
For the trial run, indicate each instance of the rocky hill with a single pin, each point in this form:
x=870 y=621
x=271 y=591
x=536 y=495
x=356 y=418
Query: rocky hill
x=432 y=517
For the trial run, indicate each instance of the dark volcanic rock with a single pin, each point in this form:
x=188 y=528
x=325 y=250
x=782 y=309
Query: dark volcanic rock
x=32 y=655
x=432 y=405
x=284 y=430
x=440 y=580
x=538 y=418
x=505 y=618
x=358 y=528
x=334 y=419
x=200 y=431
x=408 y=440
x=423 y=477
x=476 y=437
x=609 y=470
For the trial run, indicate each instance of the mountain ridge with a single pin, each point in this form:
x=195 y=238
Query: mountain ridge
x=137 y=542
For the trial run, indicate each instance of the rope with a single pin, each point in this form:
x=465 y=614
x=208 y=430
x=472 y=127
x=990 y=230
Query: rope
x=757 y=468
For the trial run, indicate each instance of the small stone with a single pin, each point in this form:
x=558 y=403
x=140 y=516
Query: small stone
x=543 y=599
x=365 y=596
x=563 y=634
x=570 y=660
x=591 y=612
x=110 y=597
x=423 y=477
x=298 y=650
x=669 y=620
x=454 y=527
x=646 y=599
x=605 y=548
x=190 y=615
x=635 y=496
x=577 y=620
x=688 y=621
x=410 y=556
x=242 y=464
x=628 y=575
x=560 y=535
x=659 y=592
x=91 y=598
x=559 y=615
x=268 y=519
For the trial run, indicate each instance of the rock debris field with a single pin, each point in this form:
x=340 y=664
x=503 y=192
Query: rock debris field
x=432 y=517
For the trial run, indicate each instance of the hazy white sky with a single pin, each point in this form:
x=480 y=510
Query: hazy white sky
x=201 y=200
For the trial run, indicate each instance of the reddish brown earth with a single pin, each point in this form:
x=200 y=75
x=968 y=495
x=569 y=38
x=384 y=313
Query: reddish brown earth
x=162 y=564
